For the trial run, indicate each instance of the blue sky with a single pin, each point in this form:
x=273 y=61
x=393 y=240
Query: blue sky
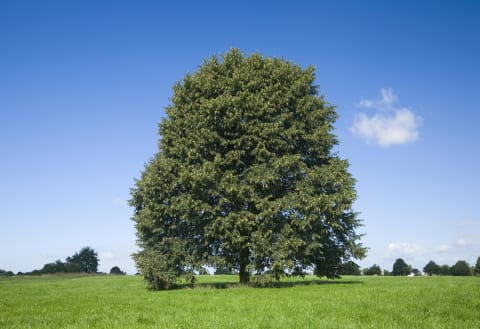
x=83 y=85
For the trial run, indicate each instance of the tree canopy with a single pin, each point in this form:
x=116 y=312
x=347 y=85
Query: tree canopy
x=245 y=176
x=86 y=260
x=401 y=268
x=374 y=270
x=432 y=268
x=461 y=268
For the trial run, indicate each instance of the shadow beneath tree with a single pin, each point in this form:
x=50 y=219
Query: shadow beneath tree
x=273 y=284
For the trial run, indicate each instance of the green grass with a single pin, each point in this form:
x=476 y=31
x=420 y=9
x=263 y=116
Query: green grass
x=217 y=302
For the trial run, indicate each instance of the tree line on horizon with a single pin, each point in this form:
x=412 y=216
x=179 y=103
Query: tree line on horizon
x=84 y=261
x=401 y=268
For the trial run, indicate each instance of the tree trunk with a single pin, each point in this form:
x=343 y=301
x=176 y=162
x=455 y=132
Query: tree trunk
x=244 y=261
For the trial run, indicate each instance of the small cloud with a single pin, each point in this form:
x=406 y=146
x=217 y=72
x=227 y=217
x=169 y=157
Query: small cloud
x=388 y=98
x=461 y=242
x=405 y=249
x=390 y=125
x=108 y=255
x=443 y=248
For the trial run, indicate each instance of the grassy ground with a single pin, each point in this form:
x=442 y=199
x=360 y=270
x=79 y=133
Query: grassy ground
x=216 y=302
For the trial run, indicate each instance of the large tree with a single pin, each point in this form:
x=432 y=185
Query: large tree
x=245 y=176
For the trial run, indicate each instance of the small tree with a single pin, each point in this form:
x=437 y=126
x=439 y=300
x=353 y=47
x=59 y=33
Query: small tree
x=350 y=268
x=444 y=270
x=432 y=268
x=461 y=268
x=401 y=268
x=374 y=270
x=476 y=270
x=116 y=271
x=86 y=260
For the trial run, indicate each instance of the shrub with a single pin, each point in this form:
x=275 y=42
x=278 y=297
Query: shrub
x=262 y=281
x=116 y=271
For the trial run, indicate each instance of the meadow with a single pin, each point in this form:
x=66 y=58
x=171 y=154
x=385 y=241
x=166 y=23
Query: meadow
x=76 y=301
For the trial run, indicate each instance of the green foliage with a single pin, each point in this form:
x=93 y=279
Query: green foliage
x=159 y=271
x=432 y=268
x=476 y=270
x=461 y=268
x=374 y=270
x=116 y=271
x=6 y=273
x=86 y=260
x=444 y=270
x=245 y=173
x=203 y=271
x=263 y=281
x=401 y=268
x=350 y=268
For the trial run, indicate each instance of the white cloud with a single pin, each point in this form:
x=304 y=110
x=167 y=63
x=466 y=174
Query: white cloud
x=405 y=249
x=390 y=125
x=107 y=255
x=461 y=242
x=443 y=248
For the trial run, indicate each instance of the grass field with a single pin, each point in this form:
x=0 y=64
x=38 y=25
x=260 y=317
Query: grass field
x=217 y=302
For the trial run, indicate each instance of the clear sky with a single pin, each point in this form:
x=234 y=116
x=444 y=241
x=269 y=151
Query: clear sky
x=83 y=85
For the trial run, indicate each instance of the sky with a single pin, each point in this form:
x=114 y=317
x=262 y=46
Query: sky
x=84 y=84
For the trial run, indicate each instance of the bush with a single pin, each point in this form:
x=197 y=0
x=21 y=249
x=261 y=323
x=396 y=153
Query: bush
x=158 y=272
x=262 y=281
x=116 y=271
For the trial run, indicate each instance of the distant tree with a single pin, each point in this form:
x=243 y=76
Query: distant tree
x=72 y=268
x=444 y=270
x=247 y=170
x=401 y=268
x=6 y=273
x=432 y=268
x=223 y=269
x=116 y=270
x=350 y=268
x=203 y=271
x=461 y=268
x=416 y=271
x=49 y=268
x=476 y=270
x=387 y=273
x=86 y=260
x=374 y=270
x=57 y=267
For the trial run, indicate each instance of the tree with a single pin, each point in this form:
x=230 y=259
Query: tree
x=444 y=270
x=349 y=268
x=246 y=173
x=85 y=261
x=476 y=270
x=432 y=268
x=374 y=270
x=401 y=268
x=6 y=273
x=116 y=271
x=461 y=268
